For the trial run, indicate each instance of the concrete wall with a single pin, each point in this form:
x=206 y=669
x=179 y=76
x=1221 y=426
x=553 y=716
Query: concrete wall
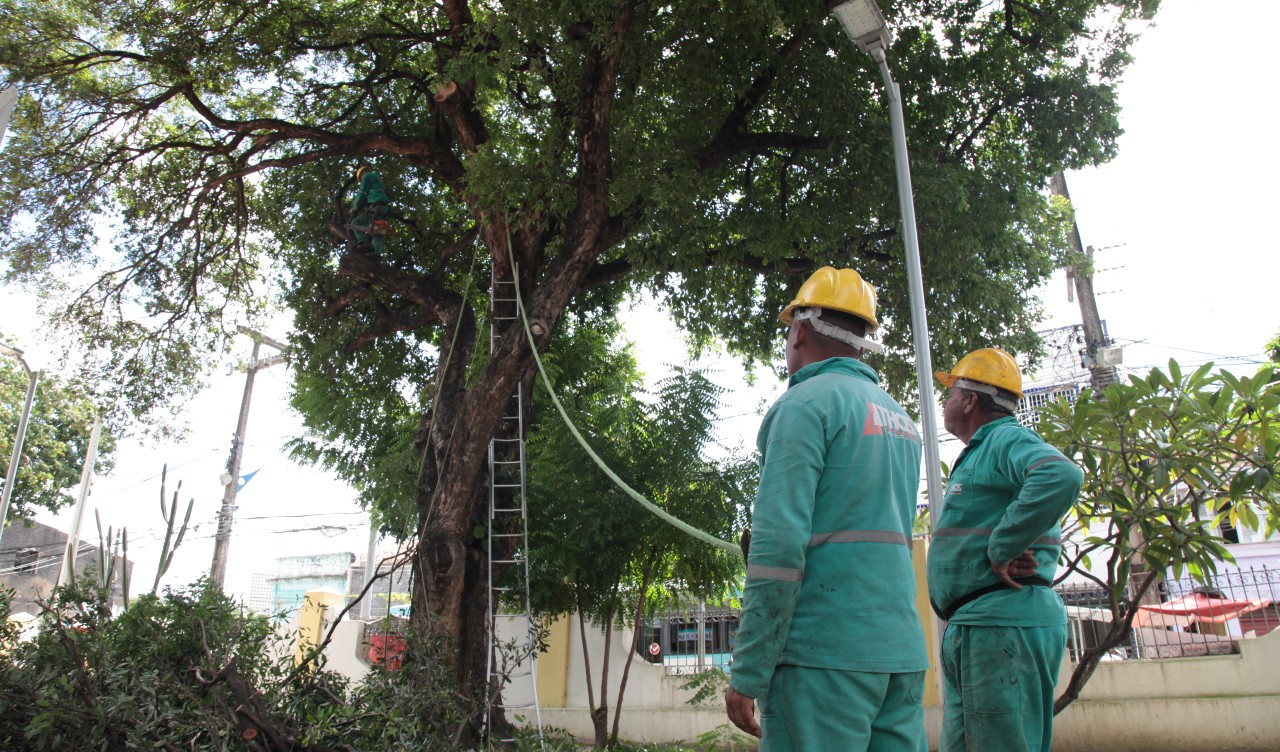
x=1226 y=703
x=348 y=651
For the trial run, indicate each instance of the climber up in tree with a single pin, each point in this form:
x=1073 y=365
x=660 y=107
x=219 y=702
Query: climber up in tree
x=369 y=211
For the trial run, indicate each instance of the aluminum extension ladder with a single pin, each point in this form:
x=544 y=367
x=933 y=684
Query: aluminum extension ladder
x=511 y=666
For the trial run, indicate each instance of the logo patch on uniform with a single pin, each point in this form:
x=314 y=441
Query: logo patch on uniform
x=955 y=489
x=881 y=420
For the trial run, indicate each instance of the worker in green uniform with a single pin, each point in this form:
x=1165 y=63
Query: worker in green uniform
x=369 y=211
x=829 y=640
x=992 y=562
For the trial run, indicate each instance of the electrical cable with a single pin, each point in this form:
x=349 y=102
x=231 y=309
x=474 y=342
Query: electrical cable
x=634 y=494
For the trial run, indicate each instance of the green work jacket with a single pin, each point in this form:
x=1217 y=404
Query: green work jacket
x=829 y=577
x=371 y=192
x=1007 y=493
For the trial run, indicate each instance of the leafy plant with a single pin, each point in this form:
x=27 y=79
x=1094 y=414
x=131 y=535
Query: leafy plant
x=595 y=551
x=1168 y=457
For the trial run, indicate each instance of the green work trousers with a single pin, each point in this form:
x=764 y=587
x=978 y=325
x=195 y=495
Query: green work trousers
x=821 y=710
x=999 y=687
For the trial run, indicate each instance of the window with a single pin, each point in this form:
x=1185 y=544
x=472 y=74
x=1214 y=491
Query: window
x=1034 y=399
x=25 y=561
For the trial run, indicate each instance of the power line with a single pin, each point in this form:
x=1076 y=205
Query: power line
x=148 y=479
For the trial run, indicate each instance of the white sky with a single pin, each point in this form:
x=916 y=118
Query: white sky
x=1187 y=205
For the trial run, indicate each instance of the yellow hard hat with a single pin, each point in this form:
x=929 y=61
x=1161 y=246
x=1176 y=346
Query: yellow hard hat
x=991 y=366
x=361 y=171
x=837 y=290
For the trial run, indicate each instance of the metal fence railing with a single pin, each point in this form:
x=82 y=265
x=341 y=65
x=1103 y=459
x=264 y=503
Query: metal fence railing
x=672 y=639
x=1184 y=618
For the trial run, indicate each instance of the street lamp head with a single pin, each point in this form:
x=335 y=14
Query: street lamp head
x=864 y=24
x=10 y=350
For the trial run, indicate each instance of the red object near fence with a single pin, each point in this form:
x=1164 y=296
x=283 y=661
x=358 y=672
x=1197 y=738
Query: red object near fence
x=387 y=650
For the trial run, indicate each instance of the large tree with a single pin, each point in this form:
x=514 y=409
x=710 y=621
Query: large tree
x=189 y=150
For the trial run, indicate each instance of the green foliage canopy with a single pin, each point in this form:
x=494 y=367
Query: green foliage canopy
x=594 y=551
x=713 y=152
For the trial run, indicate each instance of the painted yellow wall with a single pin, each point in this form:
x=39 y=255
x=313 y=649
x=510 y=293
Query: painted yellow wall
x=319 y=608
x=553 y=666
x=919 y=557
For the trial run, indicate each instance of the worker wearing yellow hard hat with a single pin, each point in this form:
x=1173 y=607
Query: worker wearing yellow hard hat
x=990 y=371
x=829 y=640
x=370 y=210
x=992 y=562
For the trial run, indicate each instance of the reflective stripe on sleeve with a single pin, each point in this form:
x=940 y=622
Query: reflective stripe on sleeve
x=859 y=536
x=783 y=574
x=955 y=532
x=1046 y=460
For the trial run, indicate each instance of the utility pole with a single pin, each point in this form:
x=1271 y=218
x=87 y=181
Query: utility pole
x=231 y=481
x=1100 y=357
x=72 y=551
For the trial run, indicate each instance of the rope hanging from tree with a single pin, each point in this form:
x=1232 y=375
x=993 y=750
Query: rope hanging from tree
x=634 y=494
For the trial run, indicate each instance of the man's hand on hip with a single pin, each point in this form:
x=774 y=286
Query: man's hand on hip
x=1023 y=566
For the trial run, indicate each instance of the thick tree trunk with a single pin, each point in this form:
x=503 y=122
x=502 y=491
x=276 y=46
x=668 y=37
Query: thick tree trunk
x=450 y=584
x=449 y=598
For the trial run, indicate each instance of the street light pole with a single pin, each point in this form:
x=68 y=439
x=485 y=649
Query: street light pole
x=865 y=25
x=11 y=474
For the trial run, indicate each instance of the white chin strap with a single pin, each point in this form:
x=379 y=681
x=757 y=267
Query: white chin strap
x=834 y=332
x=978 y=386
